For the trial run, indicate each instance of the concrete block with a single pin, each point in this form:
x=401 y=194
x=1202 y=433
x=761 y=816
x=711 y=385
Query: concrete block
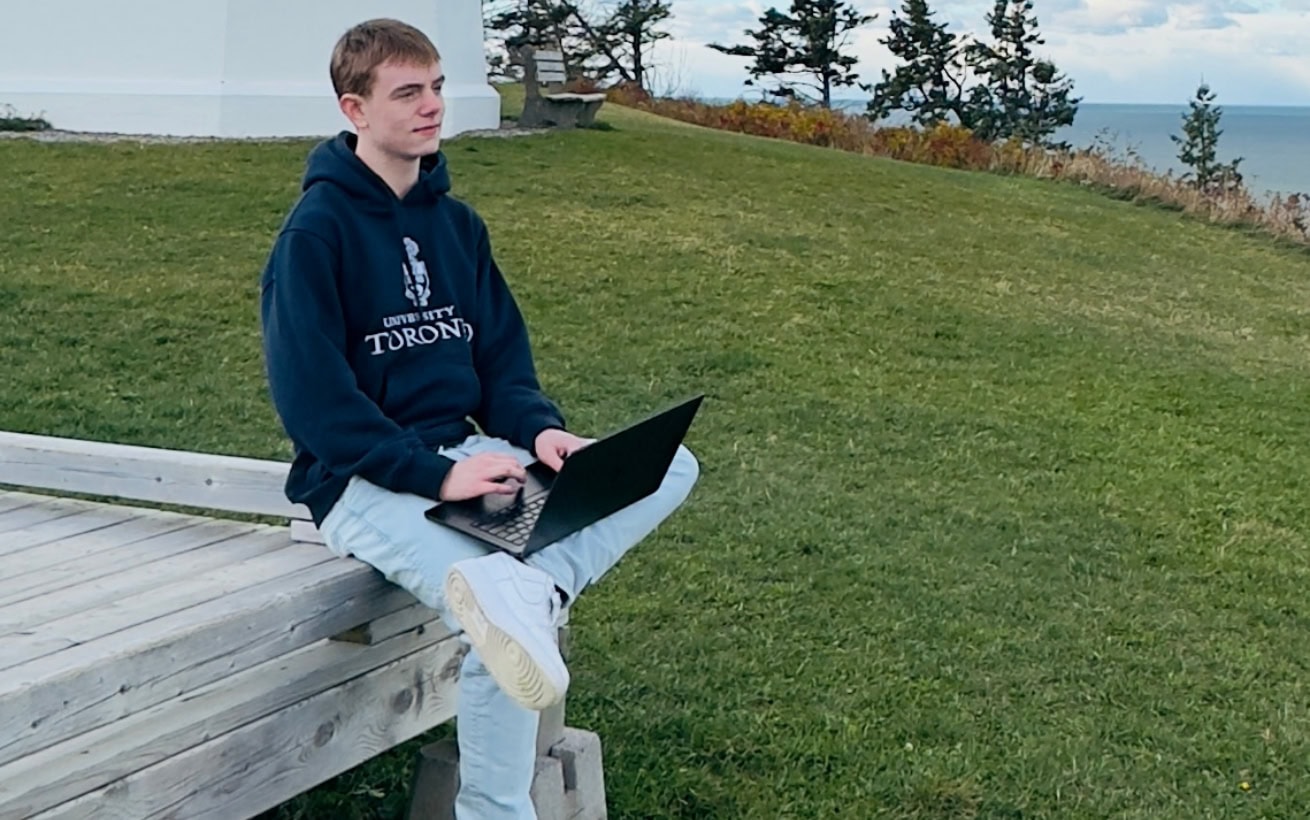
x=568 y=783
x=436 y=782
x=582 y=767
x=548 y=796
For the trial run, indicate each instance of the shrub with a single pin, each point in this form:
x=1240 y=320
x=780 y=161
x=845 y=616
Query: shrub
x=582 y=85
x=812 y=125
x=946 y=145
x=11 y=121
x=628 y=94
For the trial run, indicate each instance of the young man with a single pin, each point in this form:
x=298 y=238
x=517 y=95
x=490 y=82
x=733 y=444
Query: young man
x=387 y=328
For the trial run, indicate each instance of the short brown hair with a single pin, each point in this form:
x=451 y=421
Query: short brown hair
x=370 y=44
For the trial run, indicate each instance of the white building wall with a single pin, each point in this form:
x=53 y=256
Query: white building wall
x=231 y=68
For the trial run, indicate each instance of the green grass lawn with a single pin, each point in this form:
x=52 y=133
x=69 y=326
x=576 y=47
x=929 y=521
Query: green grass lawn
x=1002 y=511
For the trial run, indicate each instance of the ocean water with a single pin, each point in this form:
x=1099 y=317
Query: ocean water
x=1273 y=141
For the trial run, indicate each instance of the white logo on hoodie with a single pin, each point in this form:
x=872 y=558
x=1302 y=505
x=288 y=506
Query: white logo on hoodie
x=417 y=285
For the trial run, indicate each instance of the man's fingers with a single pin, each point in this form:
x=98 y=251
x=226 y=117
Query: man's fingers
x=498 y=466
x=484 y=474
x=500 y=487
x=515 y=471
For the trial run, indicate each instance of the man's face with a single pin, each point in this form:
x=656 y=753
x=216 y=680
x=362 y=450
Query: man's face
x=402 y=117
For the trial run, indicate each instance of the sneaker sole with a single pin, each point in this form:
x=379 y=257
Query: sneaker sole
x=519 y=676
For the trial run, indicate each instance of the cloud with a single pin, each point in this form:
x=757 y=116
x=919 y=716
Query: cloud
x=1110 y=16
x=1255 y=58
x=1202 y=17
x=702 y=22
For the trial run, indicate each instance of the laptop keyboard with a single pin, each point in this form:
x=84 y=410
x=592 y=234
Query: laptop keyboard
x=514 y=524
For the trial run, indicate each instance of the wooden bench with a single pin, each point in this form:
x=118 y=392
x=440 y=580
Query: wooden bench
x=545 y=103
x=175 y=664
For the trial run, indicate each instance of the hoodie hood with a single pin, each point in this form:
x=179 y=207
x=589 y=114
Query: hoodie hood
x=333 y=162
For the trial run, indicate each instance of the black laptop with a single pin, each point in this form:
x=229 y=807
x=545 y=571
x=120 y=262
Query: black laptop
x=601 y=478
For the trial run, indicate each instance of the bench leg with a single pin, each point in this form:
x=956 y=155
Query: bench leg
x=569 y=782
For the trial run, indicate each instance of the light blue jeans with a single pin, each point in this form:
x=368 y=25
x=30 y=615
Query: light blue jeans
x=497 y=737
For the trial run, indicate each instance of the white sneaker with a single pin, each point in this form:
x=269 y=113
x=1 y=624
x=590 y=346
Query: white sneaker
x=509 y=612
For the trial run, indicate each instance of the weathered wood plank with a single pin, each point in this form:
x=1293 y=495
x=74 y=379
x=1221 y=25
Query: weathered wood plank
x=388 y=626
x=306 y=531
x=135 y=594
x=74 y=562
x=59 y=529
x=147 y=474
x=109 y=605
x=39 y=513
x=260 y=765
x=52 y=698
x=92 y=760
x=80 y=552
x=11 y=500
x=548 y=55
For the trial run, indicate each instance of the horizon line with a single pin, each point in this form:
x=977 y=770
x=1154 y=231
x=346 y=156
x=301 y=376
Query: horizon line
x=1182 y=104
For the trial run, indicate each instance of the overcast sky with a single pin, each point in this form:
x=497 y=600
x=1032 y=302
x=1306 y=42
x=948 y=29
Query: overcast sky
x=1251 y=52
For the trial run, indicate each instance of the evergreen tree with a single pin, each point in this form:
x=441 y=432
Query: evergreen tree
x=535 y=23
x=1199 y=145
x=621 y=41
x=604 y=43
x=633 y=28
x=803 y=48
x=1019 y=95
x=930 y=82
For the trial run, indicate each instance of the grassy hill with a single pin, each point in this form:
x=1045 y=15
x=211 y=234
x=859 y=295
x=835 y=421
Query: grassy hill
x=1002 y=509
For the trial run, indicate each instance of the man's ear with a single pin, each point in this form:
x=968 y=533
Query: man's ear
x=352 y=105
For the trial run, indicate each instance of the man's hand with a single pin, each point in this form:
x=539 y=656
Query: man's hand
x=554 y=445
x=483 y=474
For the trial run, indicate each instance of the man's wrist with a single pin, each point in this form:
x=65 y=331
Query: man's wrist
x=531 y=428
x=541 y=432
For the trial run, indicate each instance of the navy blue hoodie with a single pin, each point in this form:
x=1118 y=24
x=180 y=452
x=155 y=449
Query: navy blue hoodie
x=387 y=326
